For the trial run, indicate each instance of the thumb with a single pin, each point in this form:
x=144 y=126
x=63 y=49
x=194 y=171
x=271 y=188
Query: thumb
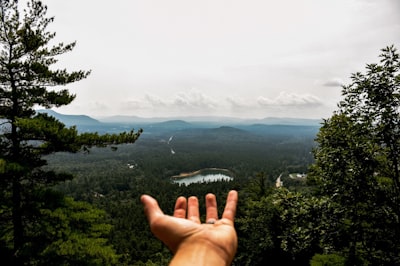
x=151 y=208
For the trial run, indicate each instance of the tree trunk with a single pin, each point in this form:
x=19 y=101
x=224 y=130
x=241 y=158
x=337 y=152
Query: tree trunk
x=17 y=221
x=18 y=228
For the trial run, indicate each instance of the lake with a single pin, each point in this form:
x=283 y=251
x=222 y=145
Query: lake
x=202 y=177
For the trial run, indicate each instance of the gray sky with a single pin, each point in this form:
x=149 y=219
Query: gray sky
x=242 y=58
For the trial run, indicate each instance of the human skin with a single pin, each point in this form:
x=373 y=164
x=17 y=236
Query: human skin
x=193 y=242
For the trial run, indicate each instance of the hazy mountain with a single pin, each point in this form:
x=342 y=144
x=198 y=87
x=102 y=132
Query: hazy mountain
x=71 y=120
x=212 y=120
x=173 y=123
x=221 y=125
x=123 y=119
x=289 y=121
x=281 y=129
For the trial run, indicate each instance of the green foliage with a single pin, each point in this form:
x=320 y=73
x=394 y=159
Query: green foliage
x=327 y=260
x=63 y=232
x=356 y=166
x=301 y=223
x=372 y=101
x=2 y=166
x=281 y=227
x=75 y=234
x=256 y=227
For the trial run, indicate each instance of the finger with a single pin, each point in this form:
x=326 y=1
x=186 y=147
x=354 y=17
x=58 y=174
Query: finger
x=151 y=208
x=230 y=207
x=211 y=208
x=193 y=210
x=180 y=207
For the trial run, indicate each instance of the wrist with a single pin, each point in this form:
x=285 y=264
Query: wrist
x=200 y=253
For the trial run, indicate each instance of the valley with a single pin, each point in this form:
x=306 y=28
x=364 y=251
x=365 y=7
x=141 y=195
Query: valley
x=113 y=179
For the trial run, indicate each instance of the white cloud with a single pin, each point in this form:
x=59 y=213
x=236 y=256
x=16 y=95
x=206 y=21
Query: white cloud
x=290 y=99
x=196 y=103
x=191 y=102
x=194 y=99
x=237 y=102
x=154 y=101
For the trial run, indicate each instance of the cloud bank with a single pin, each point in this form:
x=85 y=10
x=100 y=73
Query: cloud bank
x=196 y=103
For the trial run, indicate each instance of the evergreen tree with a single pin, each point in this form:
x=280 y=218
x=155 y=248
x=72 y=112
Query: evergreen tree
x=28 y=79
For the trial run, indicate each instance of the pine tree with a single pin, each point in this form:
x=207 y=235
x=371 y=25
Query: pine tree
x=28 y=80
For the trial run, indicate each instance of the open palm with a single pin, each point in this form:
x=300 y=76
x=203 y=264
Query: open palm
x=184 y=228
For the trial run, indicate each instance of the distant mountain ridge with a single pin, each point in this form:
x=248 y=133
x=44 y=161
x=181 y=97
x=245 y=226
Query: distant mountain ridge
x=180 y=122
x=71 y=120
x=212 y=126
x=219 y=120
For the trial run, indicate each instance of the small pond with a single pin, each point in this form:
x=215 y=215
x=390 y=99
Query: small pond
x=203 y=176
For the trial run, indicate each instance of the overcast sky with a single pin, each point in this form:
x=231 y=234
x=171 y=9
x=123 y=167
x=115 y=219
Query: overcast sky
x=241 y=58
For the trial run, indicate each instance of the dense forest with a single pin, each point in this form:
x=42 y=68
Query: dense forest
x=69 y=192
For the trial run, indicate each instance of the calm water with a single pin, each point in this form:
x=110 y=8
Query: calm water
x=203 y=178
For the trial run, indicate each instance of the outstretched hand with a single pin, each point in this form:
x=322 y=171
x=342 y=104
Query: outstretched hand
x=191 y=241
